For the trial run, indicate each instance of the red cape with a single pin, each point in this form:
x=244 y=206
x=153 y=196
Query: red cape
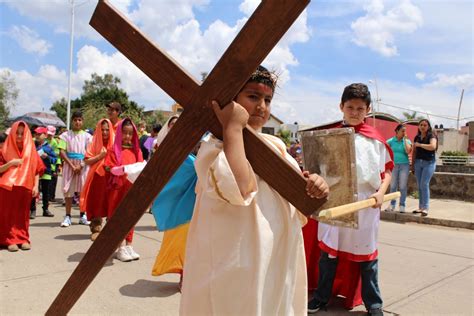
x=370 y=132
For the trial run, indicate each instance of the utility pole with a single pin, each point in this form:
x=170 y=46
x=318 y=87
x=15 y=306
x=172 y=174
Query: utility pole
x=71 y=51
x=377 y=100
x=459 y=109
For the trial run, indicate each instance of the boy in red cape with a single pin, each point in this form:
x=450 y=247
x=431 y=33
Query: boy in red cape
x=125 y=151
x=93 y=195
x=18 y=185
x=356 y=249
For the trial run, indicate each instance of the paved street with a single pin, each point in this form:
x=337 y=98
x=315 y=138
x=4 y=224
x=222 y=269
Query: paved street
x=424 y=269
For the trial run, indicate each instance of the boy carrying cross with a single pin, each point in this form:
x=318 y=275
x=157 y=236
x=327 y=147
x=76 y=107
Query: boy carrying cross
x=244 y=253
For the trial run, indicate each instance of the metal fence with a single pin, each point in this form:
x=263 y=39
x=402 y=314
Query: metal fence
x=456 y=160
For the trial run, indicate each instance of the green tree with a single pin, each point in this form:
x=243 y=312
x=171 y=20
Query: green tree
x=8 y=96
x=154 y=118
x=285 y=136
x=96 y=94
x=411 y=116
x=60 y=107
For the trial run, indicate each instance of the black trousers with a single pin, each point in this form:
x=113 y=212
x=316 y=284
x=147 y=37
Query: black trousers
x=52 y=187
x=44 y=188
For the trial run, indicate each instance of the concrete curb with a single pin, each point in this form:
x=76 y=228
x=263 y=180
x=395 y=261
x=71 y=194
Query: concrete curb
x=408 y=217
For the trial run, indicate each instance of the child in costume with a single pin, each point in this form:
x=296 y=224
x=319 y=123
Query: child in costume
x=56 y=168
x=94 y=194
x=374 y=161
x=244 y=253
x=20 y=168
x=49 y=157
x=73 y=145
x=125 y=151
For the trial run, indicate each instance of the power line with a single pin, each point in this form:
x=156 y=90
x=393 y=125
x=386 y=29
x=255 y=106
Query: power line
x=393 y=106
x=427 y=113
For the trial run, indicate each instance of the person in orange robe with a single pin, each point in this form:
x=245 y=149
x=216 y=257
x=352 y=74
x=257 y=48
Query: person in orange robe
x=93 y=195
x=18 y=185
x=125 y=151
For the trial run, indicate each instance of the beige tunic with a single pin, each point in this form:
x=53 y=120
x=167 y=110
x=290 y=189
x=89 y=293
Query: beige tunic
x=244 y=256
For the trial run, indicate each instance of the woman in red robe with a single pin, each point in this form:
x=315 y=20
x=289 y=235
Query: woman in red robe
x=18 y=185
x=93 y=195
x=125 y=151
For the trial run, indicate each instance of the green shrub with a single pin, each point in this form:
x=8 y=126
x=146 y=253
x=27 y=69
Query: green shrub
x=454 y=153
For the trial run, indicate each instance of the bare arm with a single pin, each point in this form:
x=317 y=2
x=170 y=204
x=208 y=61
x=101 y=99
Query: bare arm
x=34 y=191
x=93 y=160
x=76 y=168
x=413 y=158
x=431 y=146
x=408 y=147
x=65 y=158
x=233 y=118
x=11 y=163
x=383 y=188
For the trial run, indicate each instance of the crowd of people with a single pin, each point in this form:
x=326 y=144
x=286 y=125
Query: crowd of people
x=237 y=233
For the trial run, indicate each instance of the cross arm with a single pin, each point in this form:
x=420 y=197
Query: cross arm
x=259 y=35
x=155 y=63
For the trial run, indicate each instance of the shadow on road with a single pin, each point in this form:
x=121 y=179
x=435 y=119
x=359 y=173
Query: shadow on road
x=77 y=257
x=48 y=224
x=73 y=237
x=148 y=228
x=146 y=288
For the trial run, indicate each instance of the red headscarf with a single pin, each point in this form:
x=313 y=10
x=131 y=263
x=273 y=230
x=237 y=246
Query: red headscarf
x=24 y=174
x=114 y=157
x=117 y=148
x=93 y=149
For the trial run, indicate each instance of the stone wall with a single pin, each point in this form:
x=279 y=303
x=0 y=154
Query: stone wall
x=456 y=186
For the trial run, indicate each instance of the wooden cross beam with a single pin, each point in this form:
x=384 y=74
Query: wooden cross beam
x=254 y=42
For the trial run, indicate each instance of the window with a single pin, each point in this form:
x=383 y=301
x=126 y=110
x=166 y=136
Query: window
x=268 y=130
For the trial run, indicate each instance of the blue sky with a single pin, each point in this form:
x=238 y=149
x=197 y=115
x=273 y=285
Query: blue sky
x=418 y=55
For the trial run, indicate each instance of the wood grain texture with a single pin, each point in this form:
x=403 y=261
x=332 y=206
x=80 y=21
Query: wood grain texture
x=261 y=33
x=141 y=51
x=346 y=209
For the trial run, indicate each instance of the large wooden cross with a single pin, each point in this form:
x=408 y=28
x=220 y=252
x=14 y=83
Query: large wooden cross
x=254 y=42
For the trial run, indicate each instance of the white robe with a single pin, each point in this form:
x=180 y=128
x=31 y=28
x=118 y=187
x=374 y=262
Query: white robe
x=359 y=244
x=244 y=256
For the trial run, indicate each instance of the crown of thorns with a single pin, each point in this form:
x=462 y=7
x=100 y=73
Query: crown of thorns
x=264 y=76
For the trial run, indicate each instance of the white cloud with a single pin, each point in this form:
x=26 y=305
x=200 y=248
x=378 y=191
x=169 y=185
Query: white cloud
x=315 y=101
x=464 y=81
x=420 y=75
x=248 y=6
x=138 y=86
x=378 y=29
x=38 y=91
x=175 y=28
x=57 y=13
x=197 y=49
x=29 y=40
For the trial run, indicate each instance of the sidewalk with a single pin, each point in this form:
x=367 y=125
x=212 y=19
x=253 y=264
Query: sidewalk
x=449 y=213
